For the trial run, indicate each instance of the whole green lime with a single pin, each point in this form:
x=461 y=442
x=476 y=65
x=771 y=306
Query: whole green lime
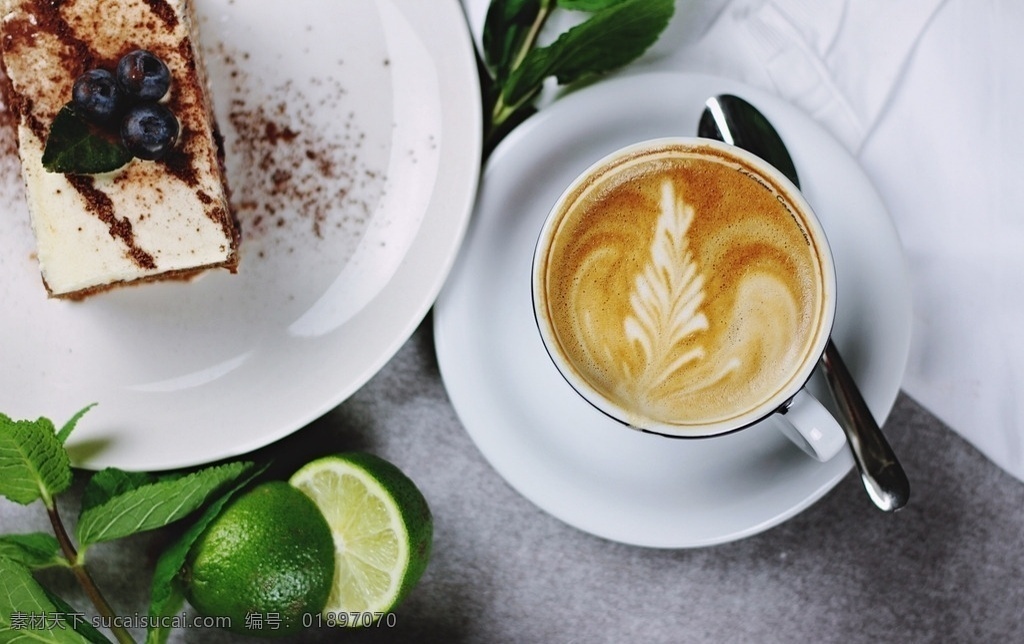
x=265 y=562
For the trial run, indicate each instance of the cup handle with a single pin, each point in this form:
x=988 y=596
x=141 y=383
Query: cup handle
x=807 y=423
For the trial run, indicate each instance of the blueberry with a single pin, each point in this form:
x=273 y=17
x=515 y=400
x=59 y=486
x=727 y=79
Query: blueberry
x=149 y=131
x=96 y=95
x=143 y=76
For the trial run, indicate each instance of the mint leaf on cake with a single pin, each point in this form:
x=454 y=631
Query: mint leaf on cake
x=75 y=146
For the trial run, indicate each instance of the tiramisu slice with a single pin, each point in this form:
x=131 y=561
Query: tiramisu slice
x=147 y=219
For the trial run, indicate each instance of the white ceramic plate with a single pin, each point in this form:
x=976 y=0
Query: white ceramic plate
x=557 y=450
x=353 y=136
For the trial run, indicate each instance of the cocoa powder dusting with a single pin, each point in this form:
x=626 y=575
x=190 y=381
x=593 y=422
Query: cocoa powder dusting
x=165 y=11
x=12 y=189
x=101 y=205
x=288 y=174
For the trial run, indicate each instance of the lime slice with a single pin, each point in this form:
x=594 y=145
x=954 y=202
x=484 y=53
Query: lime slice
x=382 y=530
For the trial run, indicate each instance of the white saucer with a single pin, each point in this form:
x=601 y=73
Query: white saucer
x=383 y=104
x=568 y=458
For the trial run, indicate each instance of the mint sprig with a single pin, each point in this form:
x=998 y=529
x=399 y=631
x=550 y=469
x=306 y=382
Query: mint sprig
x=616 y=33
x=34 y=466
x=76 y=146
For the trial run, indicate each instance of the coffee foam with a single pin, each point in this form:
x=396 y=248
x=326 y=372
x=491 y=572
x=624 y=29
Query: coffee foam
x=683 y=286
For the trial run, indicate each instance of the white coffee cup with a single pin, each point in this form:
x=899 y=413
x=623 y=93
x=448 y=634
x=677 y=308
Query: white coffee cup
x=684 y=287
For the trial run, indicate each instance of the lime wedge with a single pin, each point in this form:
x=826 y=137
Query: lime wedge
x=382 y=530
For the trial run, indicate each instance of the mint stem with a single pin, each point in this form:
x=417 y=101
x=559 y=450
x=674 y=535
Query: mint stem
x=501 y=111
x=83 y=577
x=546 y=6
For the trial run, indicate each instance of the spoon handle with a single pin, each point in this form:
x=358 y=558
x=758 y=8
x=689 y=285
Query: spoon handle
x=733 y=120
x=881 y=473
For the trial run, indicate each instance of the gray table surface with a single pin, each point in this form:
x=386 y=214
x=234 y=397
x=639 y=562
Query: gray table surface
x=947 y=568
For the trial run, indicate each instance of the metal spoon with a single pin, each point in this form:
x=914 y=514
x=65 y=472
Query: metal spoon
x=733 y=120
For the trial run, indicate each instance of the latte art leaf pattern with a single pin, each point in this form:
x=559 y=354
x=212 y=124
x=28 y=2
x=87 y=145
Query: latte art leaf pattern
x=666 y=298
x=681 y=290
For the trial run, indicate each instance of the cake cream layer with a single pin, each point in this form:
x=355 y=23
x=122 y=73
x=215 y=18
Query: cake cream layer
x=148 y=219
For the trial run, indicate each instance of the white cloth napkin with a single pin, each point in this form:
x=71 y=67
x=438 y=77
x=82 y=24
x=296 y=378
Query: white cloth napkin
x=928 y=95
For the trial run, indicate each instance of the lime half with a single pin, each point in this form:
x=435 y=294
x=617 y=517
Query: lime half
x=382 y=530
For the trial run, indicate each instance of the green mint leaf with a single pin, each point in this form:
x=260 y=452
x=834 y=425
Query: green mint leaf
x=69 y=426
x=109 y=483
x=152 y=505
x=587 y=5
x=158 y=633
x=607 y=40
x=22 y=602
x=33 y=462
x=77 y=620
x=167 y=592
x=75 y=146
x=34 y=550
x=506 y=29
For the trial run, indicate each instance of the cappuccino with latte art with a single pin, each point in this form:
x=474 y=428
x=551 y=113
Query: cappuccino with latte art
x=683 y=287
